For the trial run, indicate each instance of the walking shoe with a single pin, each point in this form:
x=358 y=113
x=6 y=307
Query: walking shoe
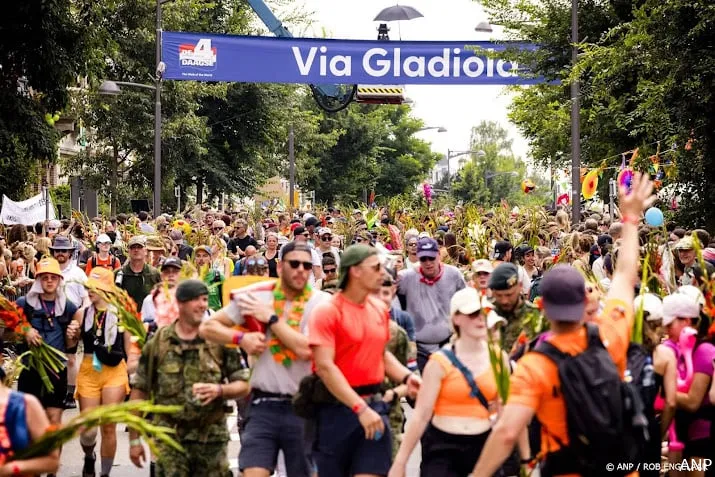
x=89 y=462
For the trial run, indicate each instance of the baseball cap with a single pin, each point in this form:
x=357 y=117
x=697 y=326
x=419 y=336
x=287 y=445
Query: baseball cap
x=324 y=231
x=466 y=301
x=685 y=243
x=154 y=243
x=563 y=290
x=104 y=238
x=311 y=221
x=651 y=304
x=604 y=239
x=137 y=240
x=54 y=224
x=482 y=265
x=693 y=292
x=172 y=262
x=679 y=305
x=300 y=230
x=501 y=248
x=427 y=247
x=493 y=319
x=101 y=279
x=353 y=255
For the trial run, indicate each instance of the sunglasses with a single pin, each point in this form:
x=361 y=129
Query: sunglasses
x=306 y=234
x=256 y=261
x=295 y=264
x=325 y=238
x=217 y=228
x=428 y=259
x=61 y=251
x=330 y=270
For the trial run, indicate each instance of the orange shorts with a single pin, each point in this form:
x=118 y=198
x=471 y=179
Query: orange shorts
x=90 y=382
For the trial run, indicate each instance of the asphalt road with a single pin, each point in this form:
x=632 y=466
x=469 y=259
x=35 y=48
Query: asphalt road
x=73 y=458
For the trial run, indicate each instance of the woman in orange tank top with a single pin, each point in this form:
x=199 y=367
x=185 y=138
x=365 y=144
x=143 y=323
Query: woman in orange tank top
x=450 y=418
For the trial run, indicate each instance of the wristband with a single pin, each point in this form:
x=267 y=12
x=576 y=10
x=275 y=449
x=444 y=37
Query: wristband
x=406 y=378
x=15 y=469
x=135 y=442
x=238 y=337
x=630 y=219
x=220 y=390
x=359 y=407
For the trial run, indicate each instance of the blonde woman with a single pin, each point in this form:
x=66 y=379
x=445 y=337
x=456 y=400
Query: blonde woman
x=453 y=414
x=219 y=260
x=42 y=245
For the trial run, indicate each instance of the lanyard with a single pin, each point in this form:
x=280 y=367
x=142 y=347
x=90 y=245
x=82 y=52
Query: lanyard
x=49 y=311
x=99 y=319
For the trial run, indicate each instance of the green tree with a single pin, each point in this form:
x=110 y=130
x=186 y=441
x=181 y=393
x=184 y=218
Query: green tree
x=43 y=49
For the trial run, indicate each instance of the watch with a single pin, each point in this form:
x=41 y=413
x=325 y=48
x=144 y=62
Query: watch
x=272 y=320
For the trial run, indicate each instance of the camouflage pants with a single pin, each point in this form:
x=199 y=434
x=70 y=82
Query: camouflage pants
x=396 y=418
x=197 y=460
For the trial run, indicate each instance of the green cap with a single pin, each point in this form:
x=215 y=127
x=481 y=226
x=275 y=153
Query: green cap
x=353 y=255
x=190 y=289
x=505 y=276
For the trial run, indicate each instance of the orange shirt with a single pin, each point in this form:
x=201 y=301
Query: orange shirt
x=535 y=377
x=454 y=398
x=358 y=334
x=111 y=263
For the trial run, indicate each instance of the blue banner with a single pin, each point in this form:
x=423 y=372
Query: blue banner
x=258 y=59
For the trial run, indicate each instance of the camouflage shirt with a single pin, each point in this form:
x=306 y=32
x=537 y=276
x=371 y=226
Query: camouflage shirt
x=168 y=369
x=525 y=317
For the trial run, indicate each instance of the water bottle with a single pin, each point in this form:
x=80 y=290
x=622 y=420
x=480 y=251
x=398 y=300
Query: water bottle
x=119 y=279
x=648 y=379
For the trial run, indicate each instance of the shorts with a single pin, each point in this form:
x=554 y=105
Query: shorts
x=270 y=426
x=90 y=382
x=450 y=455
x=341 y=449
x=30 y=382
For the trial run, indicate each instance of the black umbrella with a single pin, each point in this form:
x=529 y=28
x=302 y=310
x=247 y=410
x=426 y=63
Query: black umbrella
x=397 y=13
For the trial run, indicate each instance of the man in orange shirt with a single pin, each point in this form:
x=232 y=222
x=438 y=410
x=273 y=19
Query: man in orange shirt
x=348 y=335
x=533 y=384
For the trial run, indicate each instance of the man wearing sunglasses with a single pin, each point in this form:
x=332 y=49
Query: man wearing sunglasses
x=348 y=336
x=282 y=310
x=301 y=235
x=427 y=291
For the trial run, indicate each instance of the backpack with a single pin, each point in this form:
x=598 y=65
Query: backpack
x=112 y=261
x=641 y=373
x=604 y=415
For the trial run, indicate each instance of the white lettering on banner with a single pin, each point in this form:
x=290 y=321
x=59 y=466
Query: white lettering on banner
x=26 y=212
x=200 y=54
x=378 y=62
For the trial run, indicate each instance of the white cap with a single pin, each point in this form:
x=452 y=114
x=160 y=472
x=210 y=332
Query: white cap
x=651 y=304
x=466 y=301
x=693 y=292
x=324 y=231
x=104 y=238
x=482 y=265
x=54 y=224
x=679 y=305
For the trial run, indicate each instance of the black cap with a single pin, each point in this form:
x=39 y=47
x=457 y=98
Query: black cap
x=299 y=230
x=501 y=248
x=563 y=290
x=172 y=262
x=311 y=221
x=505 y=276
x=190 y=289
x=525 y=248
x=604 y=239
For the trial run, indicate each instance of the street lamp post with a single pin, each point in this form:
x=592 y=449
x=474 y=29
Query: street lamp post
x=489 y=175
x=452 y=154
x=440 y=129
x=575 y=123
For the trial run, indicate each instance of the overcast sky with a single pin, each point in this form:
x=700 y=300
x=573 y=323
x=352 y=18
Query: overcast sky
x=456 y=108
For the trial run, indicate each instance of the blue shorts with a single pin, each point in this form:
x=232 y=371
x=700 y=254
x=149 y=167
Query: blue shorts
x=341 y=448
x=271 y=426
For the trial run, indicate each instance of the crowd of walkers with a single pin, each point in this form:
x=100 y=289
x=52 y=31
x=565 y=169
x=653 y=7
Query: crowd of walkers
x=583 y=349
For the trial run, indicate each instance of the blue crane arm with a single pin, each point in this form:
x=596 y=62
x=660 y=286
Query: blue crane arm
x=269 y=19
x=330 y=97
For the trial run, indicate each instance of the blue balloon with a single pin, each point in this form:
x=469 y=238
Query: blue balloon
x=654 y=217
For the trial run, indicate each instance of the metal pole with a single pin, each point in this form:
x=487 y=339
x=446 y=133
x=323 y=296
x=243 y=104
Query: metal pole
x=449 y=158
x=291 y=159
x=157 y=117
x=612 y=191
x=46 y=194
x=575 y=123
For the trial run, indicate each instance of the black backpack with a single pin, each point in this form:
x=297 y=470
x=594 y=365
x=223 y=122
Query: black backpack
x=604 y=415
x=642 y=375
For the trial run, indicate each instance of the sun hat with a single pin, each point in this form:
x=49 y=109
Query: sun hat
x=651 y=304
x=48 y=265
x=60 y=242
x=679 y=305
x=100 y=278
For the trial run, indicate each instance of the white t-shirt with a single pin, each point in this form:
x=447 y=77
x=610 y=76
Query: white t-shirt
x=74 y=279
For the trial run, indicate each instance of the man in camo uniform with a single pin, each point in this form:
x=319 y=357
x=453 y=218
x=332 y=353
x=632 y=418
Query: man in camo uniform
x=520 y=314
x=177 y=367
x=399 y=346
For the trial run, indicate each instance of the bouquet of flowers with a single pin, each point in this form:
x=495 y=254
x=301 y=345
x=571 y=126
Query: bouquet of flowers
x=127 y=413
x=129 y=317
x=42 y=358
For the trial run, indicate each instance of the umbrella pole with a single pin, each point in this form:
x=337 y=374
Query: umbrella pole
x=399 y=29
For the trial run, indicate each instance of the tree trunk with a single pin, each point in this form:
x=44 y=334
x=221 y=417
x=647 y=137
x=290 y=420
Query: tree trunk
x=199 y=191
x=113 y=182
